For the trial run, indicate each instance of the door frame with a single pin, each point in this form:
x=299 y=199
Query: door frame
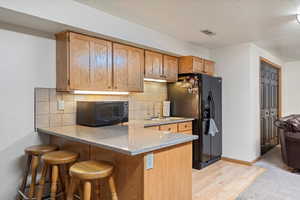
x=279 y=68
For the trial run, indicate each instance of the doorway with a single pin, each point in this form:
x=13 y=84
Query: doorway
x=270 y=104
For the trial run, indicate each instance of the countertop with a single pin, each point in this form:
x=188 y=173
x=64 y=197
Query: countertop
x=131 y=139
x=163 y=121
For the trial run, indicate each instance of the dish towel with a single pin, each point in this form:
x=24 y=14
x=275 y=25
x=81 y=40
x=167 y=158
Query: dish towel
x=213 y=129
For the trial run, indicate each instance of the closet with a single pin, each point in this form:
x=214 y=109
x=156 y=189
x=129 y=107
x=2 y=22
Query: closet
x=269 y=105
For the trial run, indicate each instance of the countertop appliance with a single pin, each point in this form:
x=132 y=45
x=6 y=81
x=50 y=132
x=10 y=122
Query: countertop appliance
x=101 y=113
x=166 y=108
x=199 y=96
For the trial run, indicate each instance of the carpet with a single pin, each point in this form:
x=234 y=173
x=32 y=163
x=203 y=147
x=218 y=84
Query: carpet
x=277 y=183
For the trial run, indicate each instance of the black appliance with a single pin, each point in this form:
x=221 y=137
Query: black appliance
x=101 y=113
x=200 y=96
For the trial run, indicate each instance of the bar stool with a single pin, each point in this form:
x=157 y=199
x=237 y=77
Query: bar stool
x=54 y=160
x=33 y=159
x=88 y=171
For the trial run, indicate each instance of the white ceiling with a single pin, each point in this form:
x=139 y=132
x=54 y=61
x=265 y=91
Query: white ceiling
x=270 y=24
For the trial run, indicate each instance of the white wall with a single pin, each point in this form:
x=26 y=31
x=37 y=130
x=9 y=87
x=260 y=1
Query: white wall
x=26 y=62
x=291 y=88
x=239 y=67
x=77 y=15
x=233 y=65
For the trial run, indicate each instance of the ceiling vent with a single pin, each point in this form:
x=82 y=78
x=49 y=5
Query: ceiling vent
x=208 y=32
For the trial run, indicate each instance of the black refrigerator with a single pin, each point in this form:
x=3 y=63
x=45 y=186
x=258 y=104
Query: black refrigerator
x=199 y=96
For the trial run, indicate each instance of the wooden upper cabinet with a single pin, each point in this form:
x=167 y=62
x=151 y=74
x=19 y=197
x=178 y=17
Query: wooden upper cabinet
x=100 y=65
x=128 y=68
x=198 y=65
x=191 y=64
x=209 y=67
x=79 y=62
x=83 y=62
x=170 y=68
x=153 y=65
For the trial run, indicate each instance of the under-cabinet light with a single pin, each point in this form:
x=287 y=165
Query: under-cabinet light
x=298 y=18
x=155 y=80
x=99 y=92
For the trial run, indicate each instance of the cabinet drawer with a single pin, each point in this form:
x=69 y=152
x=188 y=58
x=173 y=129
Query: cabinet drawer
x=153 y=128
x=190 y=132
x=185 y=126
x=169 y=127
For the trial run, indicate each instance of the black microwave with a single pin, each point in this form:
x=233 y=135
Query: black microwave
x=101 y=113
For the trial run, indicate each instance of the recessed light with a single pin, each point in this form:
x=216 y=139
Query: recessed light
x=298 y=18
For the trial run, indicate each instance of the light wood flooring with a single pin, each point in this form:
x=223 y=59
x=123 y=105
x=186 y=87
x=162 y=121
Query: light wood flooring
x=223 y=180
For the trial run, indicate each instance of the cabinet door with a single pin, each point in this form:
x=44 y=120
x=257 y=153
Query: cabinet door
x=209 y=67
x=136 y=64
x=79 y=62
x=153 y=65
x=101 y=65
x=170 y=68
x=128 y=68
x=198 y=65
x=169 y=127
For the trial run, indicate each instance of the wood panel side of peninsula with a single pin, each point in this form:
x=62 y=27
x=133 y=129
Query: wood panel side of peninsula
x=170 y=178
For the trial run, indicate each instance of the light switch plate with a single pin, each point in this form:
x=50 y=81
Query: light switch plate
x=149 y=161
x=60 y=105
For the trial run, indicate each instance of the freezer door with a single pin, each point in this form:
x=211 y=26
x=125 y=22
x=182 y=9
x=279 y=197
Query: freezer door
x=212 y=103
x=204 y=85
x=183 y=103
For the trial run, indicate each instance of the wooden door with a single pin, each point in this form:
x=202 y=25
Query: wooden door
x=198 y=65
x=209 y=67
x=153 y=65
x=101 y=65
x=79 y=62
x=269 y=98
x=170 y=68
x=128 y=64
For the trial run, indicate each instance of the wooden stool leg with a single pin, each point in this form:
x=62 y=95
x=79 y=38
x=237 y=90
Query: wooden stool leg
x=62 y=181
x=72 y=187
x=112 y=187
x=42 y=183
x=97 y=190
x=34 y=166
x=54 y=182
x=87 y=189
x=25 y=176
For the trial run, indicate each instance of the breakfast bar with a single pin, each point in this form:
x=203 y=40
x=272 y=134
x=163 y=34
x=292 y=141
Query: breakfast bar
x=146 y=161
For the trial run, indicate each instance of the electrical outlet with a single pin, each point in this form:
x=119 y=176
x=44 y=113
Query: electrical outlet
x=60 y=104
x=149 y=161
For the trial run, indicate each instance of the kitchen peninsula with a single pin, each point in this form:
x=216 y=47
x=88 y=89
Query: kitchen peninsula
x=147 y=161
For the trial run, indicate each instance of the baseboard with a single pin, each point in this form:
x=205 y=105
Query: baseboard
x=242 y=162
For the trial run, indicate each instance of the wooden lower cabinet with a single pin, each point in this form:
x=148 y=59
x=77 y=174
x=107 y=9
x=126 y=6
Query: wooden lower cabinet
x=133 y=180
x=168 y=127
x=183 y=127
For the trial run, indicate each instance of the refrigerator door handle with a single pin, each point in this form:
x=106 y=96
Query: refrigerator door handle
x=211 y=105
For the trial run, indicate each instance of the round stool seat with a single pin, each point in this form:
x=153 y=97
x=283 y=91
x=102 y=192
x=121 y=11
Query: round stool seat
x=40 y=149
x=89 y=170
x=60 y=157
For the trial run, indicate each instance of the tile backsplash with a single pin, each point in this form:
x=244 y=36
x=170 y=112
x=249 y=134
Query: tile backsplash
x=141 y=105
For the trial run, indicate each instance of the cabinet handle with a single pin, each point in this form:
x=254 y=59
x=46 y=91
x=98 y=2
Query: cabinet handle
x=169 y=129
x=109 y=87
